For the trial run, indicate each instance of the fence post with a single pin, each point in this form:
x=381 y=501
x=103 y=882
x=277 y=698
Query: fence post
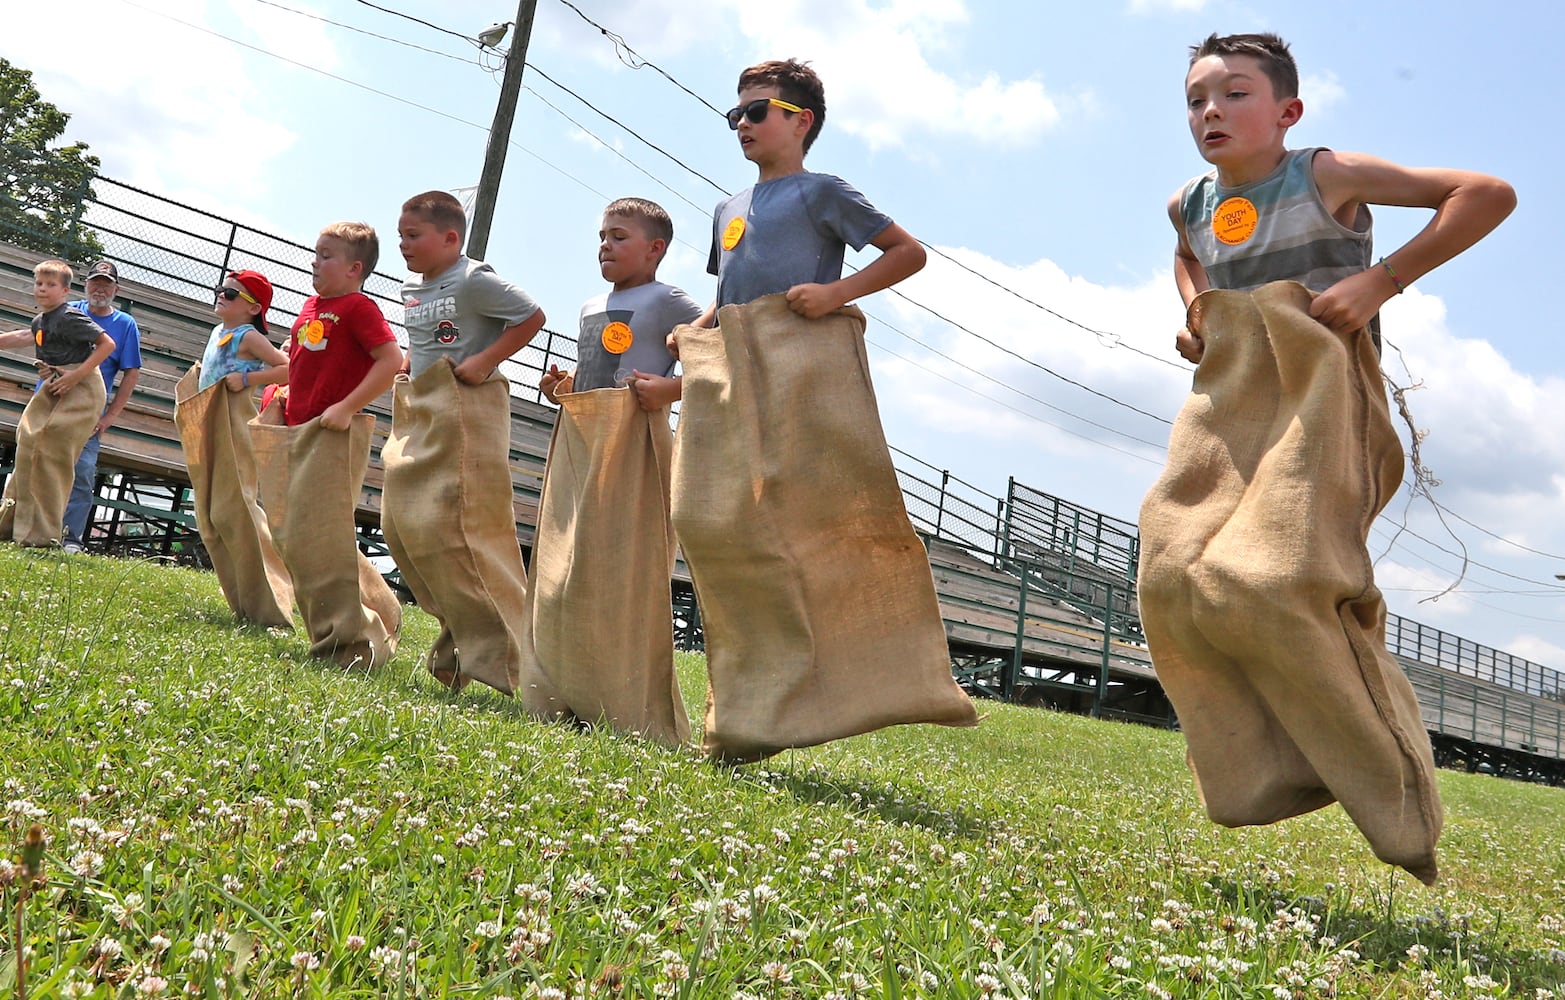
x=1103 y=665
x=940 y=507
x=1008 y=679
x=228 y=251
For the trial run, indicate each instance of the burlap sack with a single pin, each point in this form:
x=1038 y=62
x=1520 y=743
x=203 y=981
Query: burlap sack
x=1256 y=589
x=448 y=518
x=599 y=611
x=310 y=479
x=49 y=438
x=816 y=595
x=214 y=430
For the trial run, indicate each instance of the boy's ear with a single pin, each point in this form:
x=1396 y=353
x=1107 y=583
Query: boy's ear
x=356 y=269
x=658 y=246
x=1292 y=111
x=453 y=238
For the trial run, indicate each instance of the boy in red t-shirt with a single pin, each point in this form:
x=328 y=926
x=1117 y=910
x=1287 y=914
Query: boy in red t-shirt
x=343 y=355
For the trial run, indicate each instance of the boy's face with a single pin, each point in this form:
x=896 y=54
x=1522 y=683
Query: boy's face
x=49 y=292
x=426 y=247
x=333 y=271
x=780 y=135
x=1234 y=115
x=627 y=255
x=237 y=310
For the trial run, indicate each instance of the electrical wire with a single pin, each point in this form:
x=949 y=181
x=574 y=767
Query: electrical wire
x=636 y=61
x=420 y=20
x=363 y=31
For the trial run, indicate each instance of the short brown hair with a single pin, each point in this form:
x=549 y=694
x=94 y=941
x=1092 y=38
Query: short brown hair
x=796 y=83
x=1266 y=48
x=439 y=208
x=360 y=239
x=652 y=216
x=59 y=270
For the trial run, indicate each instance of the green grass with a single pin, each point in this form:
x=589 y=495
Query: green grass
x=227 y=818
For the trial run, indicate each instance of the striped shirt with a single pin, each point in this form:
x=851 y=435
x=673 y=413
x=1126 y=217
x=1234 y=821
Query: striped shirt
x=1274 y=229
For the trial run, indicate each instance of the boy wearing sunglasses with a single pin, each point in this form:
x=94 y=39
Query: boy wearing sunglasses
x=238 y=353
x=789 y=232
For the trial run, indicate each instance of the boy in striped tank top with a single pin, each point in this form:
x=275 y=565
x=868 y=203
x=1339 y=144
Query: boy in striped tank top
x=1268 y=213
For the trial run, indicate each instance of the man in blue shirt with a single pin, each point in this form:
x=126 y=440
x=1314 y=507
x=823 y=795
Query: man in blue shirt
x=103 y=283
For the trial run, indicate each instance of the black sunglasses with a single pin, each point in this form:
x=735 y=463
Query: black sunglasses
x=232 y=293
x=757 y=110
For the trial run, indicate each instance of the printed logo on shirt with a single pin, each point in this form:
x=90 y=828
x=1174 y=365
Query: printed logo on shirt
x=409 y=303
x=314 y=334
x=617 y=337
x=446 y=332
x=429 y=313
x=1234 y=221
x=733 y=232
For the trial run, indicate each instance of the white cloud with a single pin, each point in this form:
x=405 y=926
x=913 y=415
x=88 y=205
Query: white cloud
x=1321 y=92
x=882 y=83
x=209 y=116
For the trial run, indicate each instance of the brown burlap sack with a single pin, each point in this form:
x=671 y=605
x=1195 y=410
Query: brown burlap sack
x=449 y=522
x=1256 y=589
x=816 y=595
x=49 y=438
x=310 y=479
x=214 y=430
x=599 y=610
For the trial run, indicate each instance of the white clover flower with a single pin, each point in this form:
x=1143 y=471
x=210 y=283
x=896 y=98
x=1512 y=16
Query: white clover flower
x=152 y=986
x=159 y=943
x=306 y=960
x=488 y=929
x=86 y=864
x=777 y=972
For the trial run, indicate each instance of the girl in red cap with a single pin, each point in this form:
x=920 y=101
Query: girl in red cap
x=238 y=351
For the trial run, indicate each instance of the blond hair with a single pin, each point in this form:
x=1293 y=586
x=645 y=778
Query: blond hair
x=360 y=239
x=59 y=270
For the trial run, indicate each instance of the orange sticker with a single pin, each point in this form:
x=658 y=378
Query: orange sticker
x=733 y=232
x=1234 y=221
x=617 y=338
x=38 y=338
x=314 y=330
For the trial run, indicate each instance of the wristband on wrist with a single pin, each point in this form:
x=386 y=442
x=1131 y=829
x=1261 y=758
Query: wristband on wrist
x=1393 y=272
x=244 y=377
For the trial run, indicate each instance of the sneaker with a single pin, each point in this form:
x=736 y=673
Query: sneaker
x=73 y=548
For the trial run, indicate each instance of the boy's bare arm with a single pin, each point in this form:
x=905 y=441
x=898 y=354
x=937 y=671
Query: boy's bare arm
x=256 y=346
x=1191 y=279
x=388 y=358
x=901 y=256
x=474 y=369
x=1467 y=207
x=11 y=339
x=101 y=349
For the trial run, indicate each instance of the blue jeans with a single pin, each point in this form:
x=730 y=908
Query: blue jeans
x=80 y=504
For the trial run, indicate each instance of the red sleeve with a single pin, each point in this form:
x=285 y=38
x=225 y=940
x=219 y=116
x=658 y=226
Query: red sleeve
x=368 y=325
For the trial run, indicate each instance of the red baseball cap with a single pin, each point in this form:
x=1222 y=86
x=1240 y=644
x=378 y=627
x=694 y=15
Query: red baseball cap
x=259 y=288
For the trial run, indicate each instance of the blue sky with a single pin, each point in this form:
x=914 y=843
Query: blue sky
x=1035 y=142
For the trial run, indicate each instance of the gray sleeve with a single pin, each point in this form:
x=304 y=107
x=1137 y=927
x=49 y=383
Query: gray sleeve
x=840 y=210
x=492 y=296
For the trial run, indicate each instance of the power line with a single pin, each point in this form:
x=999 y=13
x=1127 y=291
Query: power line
x=637 y=135
x=636 y=61
x=418 y=20
x=1114 y=339
x=363 y=31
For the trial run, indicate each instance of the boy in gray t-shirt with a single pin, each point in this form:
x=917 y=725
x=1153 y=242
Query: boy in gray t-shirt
x=624 y=332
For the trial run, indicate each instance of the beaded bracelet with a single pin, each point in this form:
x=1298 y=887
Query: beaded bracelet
x=1393 y=272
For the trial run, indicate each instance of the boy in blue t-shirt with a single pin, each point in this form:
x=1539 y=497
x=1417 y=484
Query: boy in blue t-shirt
x=788 y=232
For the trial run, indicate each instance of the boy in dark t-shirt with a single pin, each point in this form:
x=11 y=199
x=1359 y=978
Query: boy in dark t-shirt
x=60 y=416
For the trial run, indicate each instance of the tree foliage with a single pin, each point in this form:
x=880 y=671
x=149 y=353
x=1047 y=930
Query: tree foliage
x=43 y=189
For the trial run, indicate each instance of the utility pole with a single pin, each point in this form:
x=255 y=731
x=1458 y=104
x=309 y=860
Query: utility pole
x=500 y=132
